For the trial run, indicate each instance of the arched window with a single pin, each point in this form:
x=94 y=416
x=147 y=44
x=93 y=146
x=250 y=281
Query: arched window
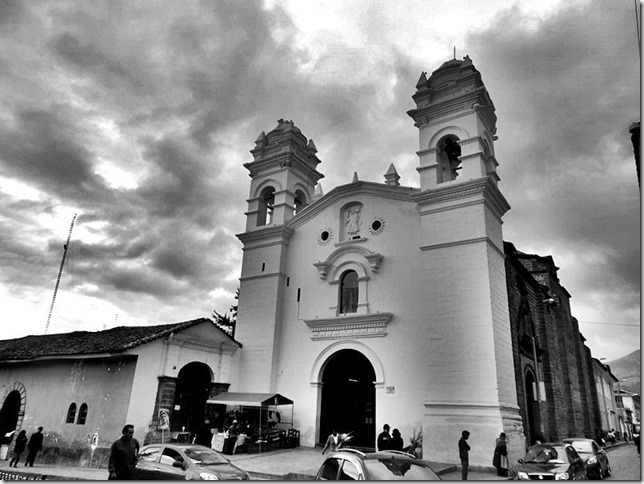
x=299 y=202
x=349 y=292
x=448 y=159
x=266 y=203
x=71 y=413
x=82 y=414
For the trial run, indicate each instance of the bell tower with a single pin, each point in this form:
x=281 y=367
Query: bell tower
x=470 y=384
x=283 y=179
x=284 y=176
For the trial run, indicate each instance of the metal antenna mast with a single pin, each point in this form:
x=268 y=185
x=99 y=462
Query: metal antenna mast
x=60 y=273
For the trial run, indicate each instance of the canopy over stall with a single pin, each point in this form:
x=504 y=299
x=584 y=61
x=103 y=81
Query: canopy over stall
x=253 y=400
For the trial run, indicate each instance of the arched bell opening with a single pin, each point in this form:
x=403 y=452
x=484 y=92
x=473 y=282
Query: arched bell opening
x=449 y=152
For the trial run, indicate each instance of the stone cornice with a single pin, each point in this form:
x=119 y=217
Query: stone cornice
x=477 y=240
x=274 y=233
x=201 y=344
x=448 y=192
x=350 y=327
x=380 y=190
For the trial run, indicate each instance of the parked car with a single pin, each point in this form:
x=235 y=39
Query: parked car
x=595 y=458
x=351 y=464
x=550 y=461
x=175 y=461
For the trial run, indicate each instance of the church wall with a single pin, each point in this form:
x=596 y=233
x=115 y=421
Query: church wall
x=399 y=246
x=104 y=384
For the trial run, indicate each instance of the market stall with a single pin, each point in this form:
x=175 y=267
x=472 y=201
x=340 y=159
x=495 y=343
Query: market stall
x=261 y=420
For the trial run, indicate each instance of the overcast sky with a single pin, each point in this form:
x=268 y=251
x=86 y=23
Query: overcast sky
x=139 y=115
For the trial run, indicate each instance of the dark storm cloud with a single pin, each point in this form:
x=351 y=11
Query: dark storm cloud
x=87 y=59
x=41 y=148
x=565 y=101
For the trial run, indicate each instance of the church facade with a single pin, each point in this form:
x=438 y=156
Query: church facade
x=381 y=303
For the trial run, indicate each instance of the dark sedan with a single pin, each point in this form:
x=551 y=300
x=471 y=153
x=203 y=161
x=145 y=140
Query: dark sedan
x=551 y=462
x=595 y=458
x=170 y=462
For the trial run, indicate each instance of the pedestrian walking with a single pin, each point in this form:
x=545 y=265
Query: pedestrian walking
x=123 y=455
x=34 y=445
x=500 y=459
x=333 y=442
x=396 y=440
x=18 y=448
x=384 y=439
x=463 y=453
x=636 y=439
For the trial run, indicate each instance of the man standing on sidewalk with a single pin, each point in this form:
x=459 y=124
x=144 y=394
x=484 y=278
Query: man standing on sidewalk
x=123 y=455
x=463 y=453
x=34 y=445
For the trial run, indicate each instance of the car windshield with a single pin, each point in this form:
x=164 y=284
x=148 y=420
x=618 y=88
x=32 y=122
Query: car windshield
x=399 y=470
x=553 y=455
x=203 y=456
x=582 y=446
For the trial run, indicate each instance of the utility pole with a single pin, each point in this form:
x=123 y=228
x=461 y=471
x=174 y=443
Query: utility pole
x=60 y=273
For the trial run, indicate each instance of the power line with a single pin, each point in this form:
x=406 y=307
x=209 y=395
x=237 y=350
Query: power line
x=610 y=324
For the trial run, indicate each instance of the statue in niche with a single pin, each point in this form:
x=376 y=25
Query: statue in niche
x=353 y=222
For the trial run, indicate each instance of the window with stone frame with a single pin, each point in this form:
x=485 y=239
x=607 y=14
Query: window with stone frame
x=349 y=292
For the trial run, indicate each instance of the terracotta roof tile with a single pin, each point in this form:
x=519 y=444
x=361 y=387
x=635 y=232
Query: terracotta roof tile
x=113 y=340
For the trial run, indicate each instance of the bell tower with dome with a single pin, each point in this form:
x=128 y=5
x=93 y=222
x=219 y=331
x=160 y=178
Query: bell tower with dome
x=283 y=180
x=470 y=384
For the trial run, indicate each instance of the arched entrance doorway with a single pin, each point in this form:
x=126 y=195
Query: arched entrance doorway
x=349 y=397
x=9 y=412
x=532 y=408
x=193 y=389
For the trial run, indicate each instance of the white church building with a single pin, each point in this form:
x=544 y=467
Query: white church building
x=380 y=303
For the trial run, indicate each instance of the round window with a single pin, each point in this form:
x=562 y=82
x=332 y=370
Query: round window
x=325 y=236
x=377 y=226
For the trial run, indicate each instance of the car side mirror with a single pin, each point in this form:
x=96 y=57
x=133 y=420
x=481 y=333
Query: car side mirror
x=520 y=461
x=178 y=463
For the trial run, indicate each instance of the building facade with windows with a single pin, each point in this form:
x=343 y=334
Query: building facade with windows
x=382 y=303
x=83 y=387
x=606 y=384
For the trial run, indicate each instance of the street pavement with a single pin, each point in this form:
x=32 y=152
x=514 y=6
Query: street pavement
x=300 y=463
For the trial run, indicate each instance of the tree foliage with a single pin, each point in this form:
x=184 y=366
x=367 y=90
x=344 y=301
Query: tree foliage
x=226 y=322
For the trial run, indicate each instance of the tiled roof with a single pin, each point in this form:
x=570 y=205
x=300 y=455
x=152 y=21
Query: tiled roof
x=113 y=340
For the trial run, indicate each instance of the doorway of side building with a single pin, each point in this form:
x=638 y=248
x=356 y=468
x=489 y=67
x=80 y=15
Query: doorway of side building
x=348 y=401
x=10 y=412
x=193 y=389
x=532 y=408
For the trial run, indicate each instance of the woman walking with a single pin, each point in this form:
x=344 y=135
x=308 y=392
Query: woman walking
x=19 y=448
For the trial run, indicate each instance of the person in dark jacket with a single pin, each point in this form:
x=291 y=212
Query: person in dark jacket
x=34 y=445
x=18 y=448
x=500 y=459
x=463 y=453
x=384 y=439
x=123 y=455
x=396 y=440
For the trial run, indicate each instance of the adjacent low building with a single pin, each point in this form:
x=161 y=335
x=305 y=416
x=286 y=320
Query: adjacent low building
x=82 y=387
